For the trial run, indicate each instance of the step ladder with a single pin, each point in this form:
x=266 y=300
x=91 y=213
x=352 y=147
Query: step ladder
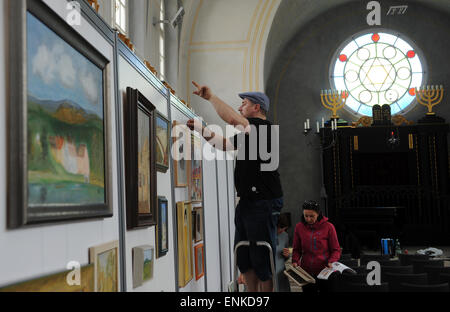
x=234 y=286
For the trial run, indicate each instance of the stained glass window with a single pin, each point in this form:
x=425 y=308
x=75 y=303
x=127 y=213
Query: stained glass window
x=378 y=68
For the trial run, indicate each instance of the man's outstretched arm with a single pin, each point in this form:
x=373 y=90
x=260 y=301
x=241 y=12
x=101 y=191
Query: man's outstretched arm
x=216 y=140
x=225 y=111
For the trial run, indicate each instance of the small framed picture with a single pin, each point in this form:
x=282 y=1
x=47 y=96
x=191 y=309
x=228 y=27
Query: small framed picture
x=162 y=228
x=105 y=260
x=199 y=261
x=180 y=148
x=196 y=174
x=143 y=261
x=162 y=142
x=198 y=224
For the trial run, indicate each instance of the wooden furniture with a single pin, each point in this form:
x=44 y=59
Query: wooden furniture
x=405 y=167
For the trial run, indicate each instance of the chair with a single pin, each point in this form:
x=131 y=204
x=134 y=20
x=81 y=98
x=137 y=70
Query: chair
x=418 y=265
x=350 y=262
x=406 y=287
x=364 y=287
x=395 y=279
x=367 y=258
x=406 y=259
x=434 y=272
x=395 y=269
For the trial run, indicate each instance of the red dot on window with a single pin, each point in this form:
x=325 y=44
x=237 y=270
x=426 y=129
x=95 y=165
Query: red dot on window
x=412 y=91
x=375 y=37
x=343 y=58
x=411 y=54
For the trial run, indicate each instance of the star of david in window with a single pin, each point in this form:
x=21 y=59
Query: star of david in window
x=378 y=68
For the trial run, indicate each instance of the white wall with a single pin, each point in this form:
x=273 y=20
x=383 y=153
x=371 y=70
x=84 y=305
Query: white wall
x=31 y=252
x=225 y=222
x=163 y=272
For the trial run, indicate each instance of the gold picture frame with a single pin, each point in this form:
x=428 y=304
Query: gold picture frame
x=57 y=282
x=185 y=246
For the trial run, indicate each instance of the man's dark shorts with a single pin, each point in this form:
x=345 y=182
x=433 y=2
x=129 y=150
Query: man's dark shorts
x=256 y=221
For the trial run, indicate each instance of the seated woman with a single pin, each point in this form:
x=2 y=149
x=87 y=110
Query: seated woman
x=315 y=246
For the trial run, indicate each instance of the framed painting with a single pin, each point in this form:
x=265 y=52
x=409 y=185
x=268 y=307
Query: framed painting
x=140 y=167
x=59 y=282
x=198 y=224
x=143 y=262
x=59 y=139
x=195 y=185
x=185 y=247
x=105 y=260
x=180 y=163
x=162 y=143
x=199 y=261
x=162 y=228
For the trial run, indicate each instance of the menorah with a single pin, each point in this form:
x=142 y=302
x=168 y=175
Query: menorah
x=333 y=100
x=430 y=96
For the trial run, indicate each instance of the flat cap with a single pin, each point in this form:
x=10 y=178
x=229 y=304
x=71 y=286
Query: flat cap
x=257 y=98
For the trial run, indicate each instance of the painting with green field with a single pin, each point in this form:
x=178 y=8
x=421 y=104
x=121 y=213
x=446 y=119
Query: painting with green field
x=148 y=264
x=65 y=122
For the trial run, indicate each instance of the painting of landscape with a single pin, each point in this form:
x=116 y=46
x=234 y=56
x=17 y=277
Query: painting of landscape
x=148 y=264
x=107 y=271
x=144 y=162
x=65 y=126
x=162 y=142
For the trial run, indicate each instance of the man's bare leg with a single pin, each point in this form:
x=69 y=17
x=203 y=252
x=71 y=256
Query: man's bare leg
x=256 y=285
x=266 y=286
x=252 y=281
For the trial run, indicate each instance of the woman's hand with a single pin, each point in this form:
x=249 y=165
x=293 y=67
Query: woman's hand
x=330 y=265
x=286 y=252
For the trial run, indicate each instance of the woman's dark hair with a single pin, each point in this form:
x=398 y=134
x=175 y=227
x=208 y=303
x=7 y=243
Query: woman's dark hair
x=311 y=205
x=284 y=220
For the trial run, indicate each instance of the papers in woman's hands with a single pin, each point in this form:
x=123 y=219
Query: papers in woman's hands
x=336 y=267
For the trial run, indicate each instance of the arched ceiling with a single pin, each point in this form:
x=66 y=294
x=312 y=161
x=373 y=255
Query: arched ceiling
x=231 y=45
x=292 y=15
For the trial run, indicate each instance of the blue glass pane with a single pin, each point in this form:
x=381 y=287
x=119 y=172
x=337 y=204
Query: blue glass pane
x=365 y=110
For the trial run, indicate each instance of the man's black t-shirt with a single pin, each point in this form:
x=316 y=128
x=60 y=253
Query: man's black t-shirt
x=251 y=182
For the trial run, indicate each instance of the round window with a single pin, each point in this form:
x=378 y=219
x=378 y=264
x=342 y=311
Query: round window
x=377 y=68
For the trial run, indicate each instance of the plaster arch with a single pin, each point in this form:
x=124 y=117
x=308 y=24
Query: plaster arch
x=223 y=44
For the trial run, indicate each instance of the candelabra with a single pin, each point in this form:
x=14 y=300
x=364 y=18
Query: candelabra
x=325 y=136
x=333 y=100
x=430 y=96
